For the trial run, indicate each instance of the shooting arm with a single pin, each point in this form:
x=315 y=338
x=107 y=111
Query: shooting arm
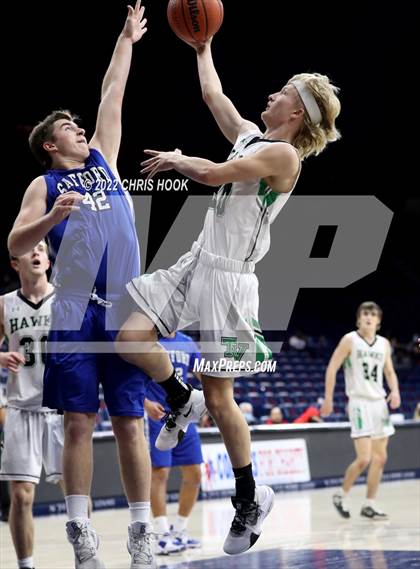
x=225 y=113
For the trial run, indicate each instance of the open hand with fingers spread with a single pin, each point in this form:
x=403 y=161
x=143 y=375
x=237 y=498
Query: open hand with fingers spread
x=135 y=24
x=160 y=161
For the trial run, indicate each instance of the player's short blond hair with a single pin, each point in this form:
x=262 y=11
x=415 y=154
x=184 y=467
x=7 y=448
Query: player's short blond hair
x=369 y=305
x=312 y=139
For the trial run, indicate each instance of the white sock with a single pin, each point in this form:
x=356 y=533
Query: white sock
x=161 y=524
x=341 y=493
x=180 y=523
x=77 y=506
x=27 y=562
x=370 y=502
x=139 y=512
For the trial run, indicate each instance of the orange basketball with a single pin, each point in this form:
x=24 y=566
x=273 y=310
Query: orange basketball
x=195 y=21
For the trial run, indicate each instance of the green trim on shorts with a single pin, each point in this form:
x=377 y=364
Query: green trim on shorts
x=359 y=420
x=262 y=351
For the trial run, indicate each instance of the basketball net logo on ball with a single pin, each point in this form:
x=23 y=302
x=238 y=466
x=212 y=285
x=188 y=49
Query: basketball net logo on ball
x=195 y=21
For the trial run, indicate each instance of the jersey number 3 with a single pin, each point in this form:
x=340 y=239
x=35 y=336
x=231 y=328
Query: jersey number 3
x=31 y=355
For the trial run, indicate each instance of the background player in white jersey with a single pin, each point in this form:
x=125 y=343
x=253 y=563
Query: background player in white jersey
x=4 y=485
x=214 y=284
x=365 y=356
x=34 y=435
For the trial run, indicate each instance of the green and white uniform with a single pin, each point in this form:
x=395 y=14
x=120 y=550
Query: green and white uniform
x=237 y=224
x=363 y=373
x=214 y=284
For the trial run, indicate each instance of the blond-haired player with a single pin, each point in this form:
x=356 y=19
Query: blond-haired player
x=366 y=357
x=214 y=284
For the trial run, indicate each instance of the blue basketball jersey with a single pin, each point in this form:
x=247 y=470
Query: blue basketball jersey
x=183 y=351
x=97 y=246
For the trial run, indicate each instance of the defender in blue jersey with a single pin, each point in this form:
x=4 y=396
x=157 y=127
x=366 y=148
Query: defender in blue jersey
x=183 y=352
x=80 y=205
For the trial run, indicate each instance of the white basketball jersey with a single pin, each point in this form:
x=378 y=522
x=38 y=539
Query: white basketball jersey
x=237 y=224
x=26 y=326
x=363 y=368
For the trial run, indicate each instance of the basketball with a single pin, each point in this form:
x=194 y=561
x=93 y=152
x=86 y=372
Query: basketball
x=195 y=21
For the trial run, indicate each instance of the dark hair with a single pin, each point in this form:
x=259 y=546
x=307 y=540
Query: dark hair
x=369 y=305
x=43 y=132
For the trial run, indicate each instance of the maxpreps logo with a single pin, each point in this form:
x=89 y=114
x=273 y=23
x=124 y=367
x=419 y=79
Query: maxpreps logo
x=224 y=366
x=232 y=360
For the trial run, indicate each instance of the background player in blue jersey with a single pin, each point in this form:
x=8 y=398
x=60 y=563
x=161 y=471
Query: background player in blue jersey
x=183 y=352
x=97 y=252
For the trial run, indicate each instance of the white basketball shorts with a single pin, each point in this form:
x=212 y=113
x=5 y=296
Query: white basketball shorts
x=218 y=294
x=32 y=439
x=370 y=418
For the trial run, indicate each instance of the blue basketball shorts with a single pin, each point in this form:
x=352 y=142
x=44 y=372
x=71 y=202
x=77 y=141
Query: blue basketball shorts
x=188 y=451
x=74 y=367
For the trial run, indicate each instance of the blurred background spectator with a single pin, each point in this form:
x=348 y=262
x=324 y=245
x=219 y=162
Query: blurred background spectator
x=276 y=417
x=297 y=341
x=248 y=412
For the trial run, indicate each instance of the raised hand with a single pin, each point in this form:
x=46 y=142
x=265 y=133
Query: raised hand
x=199 y=46
x=135 y=25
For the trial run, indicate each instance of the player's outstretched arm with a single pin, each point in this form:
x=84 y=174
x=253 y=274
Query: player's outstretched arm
x=107 y=136
x=341 y=352
x=225 y=113
x=277 y=159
